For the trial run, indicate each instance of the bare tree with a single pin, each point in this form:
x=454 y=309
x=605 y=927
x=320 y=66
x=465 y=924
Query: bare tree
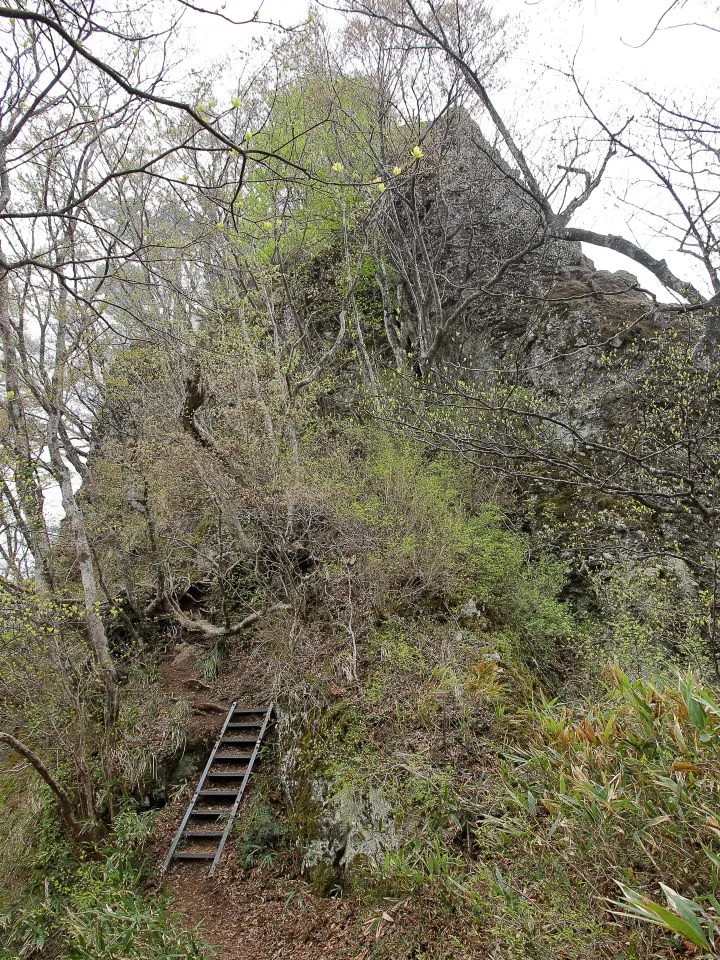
x=96 y=163
x=556 y=202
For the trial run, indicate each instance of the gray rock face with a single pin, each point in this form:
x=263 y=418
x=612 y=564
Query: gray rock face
x=335 y=825
x=474 y=212
x=553 y=315
x=515 y=298
x=582 y=323
x=528 y=316
x=486 y=201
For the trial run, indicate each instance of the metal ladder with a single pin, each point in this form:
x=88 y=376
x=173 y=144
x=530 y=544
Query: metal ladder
x=210 y=814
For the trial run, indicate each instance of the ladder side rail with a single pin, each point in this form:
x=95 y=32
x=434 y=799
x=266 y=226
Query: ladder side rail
x=241 y=791
x=201 y=782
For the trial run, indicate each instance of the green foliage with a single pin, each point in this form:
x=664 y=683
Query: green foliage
x=635 y=770
x=654 y=617
x=623 y=789
x=258 y=834
x=620 y=789
x=97 y=909
x=317 y=125
x=689 y=919
x=51 y=695
x=425 y=547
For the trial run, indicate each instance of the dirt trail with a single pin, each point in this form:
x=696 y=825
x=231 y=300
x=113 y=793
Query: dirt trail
x=264 y=913
x=255 y=915
x=260 y=916
x=181 y=677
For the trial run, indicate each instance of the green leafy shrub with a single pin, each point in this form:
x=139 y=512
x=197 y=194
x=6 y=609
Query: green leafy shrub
x=695 y=921
x=626 y=788
x=422 y=546
x=258 y=835
x=97 y=909
x=655 y=618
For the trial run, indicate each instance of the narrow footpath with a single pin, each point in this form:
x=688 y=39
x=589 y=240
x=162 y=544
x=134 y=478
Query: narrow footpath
x=265 y=913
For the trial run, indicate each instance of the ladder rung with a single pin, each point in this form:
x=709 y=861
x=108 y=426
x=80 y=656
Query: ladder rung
x=238 y=743
x=194 y=856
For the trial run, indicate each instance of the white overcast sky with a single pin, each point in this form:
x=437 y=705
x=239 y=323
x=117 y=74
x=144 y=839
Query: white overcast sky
x=606 y=37
x=603 y=31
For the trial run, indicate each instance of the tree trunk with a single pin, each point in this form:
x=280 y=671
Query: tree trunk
x=28 y=491
x=83 y=554
x=75 y=828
